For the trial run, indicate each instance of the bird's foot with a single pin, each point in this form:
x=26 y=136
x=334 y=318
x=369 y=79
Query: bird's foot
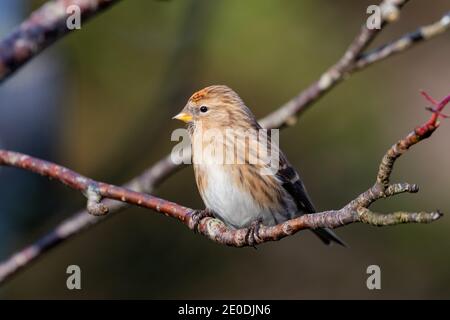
x=197 y=216
x=253 y=233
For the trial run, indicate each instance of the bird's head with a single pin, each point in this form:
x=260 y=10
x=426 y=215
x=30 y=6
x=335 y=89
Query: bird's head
x=216 y=107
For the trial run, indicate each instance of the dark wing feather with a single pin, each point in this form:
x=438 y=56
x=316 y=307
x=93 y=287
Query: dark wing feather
x=292 y=183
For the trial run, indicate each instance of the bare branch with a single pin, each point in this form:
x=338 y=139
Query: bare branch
x=354 y=59
x=41 y=29
x=405 y=42
x=356 y=211
x=82 y=220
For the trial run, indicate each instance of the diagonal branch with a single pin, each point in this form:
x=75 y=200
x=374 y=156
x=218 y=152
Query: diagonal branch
x=82 y=220
x=44 y=27
x=353 y=60
x=356 y=211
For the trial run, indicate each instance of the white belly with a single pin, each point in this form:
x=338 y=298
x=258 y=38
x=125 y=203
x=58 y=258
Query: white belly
x=230 y=203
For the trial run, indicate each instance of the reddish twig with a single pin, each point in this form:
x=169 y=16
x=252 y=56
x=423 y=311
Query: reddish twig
x=437 y=110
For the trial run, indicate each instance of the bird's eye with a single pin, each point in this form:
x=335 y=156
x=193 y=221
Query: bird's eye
x=203 y=109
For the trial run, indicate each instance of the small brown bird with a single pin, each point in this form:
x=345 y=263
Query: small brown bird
x=241 y=192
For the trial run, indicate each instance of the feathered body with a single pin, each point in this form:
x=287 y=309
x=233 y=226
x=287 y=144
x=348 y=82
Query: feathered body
x=237 y=191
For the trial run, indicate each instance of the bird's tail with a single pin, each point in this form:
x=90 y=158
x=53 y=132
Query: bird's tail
x=328 y=236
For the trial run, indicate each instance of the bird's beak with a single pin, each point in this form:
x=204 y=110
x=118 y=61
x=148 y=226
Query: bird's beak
x=183 y=116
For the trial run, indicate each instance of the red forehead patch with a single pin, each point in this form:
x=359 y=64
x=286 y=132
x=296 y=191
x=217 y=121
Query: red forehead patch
x=199 y=95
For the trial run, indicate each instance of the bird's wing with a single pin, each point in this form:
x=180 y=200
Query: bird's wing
x=294 y=186
x=292 y=183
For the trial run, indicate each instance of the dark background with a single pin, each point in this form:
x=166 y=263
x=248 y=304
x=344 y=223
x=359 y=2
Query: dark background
x=100 y=102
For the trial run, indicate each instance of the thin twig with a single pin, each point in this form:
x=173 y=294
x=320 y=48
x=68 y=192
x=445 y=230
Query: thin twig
x=405 y=42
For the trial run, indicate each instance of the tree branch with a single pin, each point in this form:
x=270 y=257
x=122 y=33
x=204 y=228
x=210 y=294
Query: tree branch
x=405 y=42
x=286 y=115
x=353 y=60
x=44 y=27
x=214 y=229
x=82 y=220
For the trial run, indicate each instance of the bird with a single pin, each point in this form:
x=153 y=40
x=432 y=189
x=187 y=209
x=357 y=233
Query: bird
x=241 y=192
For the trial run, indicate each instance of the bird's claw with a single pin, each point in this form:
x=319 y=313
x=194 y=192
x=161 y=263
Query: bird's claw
x=197 y=216
x=253 y=233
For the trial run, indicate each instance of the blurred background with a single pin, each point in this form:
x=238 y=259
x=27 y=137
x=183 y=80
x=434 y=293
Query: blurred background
x=100 y=102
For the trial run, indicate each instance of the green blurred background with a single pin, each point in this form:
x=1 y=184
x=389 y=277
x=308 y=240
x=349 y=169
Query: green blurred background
x=129 y=70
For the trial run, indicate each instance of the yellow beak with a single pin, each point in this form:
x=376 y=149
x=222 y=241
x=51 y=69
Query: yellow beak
x=185 y=117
